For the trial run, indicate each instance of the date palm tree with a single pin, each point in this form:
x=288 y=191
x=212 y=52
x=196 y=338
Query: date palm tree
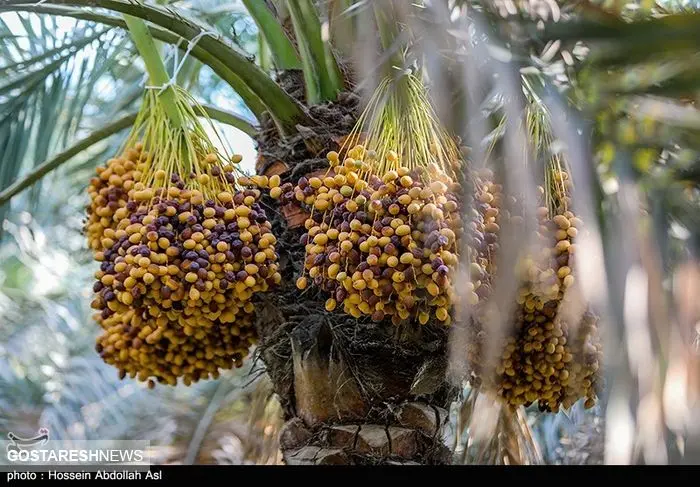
x=352 y=391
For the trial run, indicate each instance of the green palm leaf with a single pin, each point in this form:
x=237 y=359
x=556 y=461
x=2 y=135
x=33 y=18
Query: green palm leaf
x=281 y=48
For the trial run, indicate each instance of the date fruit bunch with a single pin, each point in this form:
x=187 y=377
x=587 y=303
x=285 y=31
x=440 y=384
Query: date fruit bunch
x=551 y=351
x=384 y=223
x=183 y=249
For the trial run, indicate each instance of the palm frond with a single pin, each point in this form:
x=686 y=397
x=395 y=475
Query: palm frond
x=221 y=68
x=285 y=110
x=43 y=79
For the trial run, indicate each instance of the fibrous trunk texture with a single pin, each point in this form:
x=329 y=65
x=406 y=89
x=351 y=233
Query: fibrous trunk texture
x=353 y=391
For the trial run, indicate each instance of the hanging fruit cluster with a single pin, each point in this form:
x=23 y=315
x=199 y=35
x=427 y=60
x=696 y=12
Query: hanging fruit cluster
x=384 y=224
x=183 y=249
x=550 y=357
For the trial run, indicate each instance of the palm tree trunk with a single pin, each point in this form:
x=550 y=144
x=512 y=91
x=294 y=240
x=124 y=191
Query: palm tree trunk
x=353 y=391
x=337 y=422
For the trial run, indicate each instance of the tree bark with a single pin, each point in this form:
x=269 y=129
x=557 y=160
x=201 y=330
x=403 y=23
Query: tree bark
x=336 y=424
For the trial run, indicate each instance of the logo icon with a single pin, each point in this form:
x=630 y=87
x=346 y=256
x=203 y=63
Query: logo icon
x=18 y=443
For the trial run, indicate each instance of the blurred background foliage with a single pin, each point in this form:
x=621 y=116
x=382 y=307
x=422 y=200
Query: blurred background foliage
x=633 y=67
